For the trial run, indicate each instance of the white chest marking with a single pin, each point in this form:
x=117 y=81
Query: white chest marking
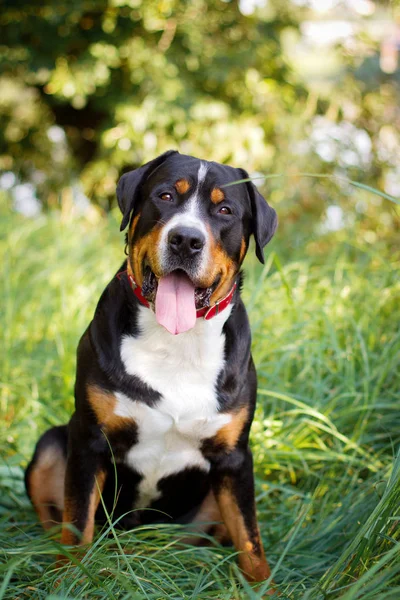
x=184 y=370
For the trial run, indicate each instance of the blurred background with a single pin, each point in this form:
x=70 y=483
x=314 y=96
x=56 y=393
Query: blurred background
x=303 y=92
x=90 y=88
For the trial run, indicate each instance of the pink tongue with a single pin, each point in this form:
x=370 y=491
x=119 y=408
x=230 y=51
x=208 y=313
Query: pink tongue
x=175 y=303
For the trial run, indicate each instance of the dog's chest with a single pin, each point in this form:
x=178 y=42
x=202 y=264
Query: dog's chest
x=184 y=370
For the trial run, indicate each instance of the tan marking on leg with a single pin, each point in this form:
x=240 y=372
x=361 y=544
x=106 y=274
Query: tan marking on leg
x=251 y=560
x=210 y=513
x=182 y=186
x=229 y=434
x=46 y=485
x=217 y=196
x=103 y=405
x=208 y=517
x=69 y=537
x=209 y=510
x=87 y=535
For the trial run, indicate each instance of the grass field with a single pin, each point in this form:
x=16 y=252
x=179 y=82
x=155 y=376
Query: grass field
x=325 y=314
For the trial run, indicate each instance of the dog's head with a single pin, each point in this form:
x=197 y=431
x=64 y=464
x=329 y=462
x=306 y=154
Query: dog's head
x=188 y=233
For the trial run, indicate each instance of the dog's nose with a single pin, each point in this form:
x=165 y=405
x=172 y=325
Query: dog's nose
x=186 y=241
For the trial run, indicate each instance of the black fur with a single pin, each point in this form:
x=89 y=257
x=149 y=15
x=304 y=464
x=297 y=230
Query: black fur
x=128 y=188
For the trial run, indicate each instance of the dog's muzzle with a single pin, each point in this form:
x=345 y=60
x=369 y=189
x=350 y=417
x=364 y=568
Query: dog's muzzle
x=184 y=249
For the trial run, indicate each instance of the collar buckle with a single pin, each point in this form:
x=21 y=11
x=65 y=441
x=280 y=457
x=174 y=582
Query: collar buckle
x=220 y=305
x=133 y=283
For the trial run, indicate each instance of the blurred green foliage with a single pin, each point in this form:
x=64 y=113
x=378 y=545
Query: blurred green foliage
x=92 y=87
x=326 y=343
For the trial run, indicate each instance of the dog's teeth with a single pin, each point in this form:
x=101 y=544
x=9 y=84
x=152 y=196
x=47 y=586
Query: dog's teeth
x=149 y=286
x=202 y=297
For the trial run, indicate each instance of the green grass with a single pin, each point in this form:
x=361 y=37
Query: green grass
x=325 y=315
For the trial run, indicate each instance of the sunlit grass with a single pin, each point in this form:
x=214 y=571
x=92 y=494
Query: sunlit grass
x=326 y=342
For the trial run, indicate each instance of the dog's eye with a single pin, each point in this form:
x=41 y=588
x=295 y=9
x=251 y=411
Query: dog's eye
x=224 y=210
x=167 y=197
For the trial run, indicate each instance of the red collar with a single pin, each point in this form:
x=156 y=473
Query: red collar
x=208 y=312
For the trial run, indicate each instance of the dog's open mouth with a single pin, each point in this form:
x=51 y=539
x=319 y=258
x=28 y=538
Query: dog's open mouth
x=150 y=284
x=175 y=298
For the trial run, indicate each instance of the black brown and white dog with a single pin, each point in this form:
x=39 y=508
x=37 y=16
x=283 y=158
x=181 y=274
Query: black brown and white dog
x=165 y=385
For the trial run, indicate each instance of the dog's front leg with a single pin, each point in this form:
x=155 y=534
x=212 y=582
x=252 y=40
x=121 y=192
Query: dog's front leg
x=233 y=485
x=83 y=487
x=84 y=483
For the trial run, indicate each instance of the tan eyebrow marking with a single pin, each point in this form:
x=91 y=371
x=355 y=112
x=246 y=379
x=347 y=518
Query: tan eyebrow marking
x=182 y=186
x=217 y=195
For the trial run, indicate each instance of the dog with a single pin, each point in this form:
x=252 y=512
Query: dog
x=166 y=386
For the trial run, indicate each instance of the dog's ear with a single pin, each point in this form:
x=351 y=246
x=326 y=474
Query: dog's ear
x=263 y=218
x=129 y=185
